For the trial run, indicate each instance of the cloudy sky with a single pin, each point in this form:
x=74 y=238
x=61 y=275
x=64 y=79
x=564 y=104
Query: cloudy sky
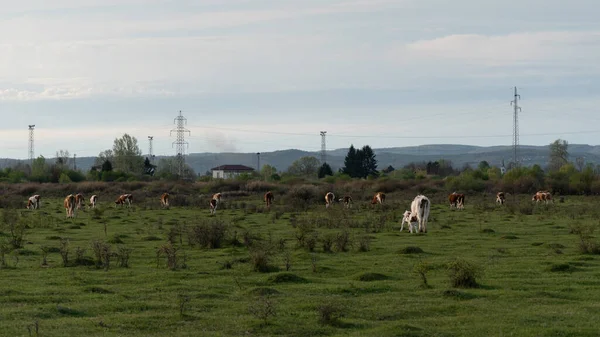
x=262 y=75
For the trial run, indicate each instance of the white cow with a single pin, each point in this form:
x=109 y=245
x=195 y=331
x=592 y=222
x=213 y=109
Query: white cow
x=93 y=200
x=411 y=220
x=33 y=202
x=420 y=207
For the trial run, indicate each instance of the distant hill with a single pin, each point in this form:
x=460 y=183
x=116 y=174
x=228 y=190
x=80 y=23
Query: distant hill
x=459 y=155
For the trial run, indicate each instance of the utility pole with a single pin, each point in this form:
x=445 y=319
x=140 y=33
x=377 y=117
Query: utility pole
x=258 y=162
x=323 y=148
x=31 y=144
x=180 y=121
x=74 y=162
x=515 y=104
x=150 y=149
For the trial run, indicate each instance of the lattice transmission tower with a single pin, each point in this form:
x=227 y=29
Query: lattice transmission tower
x=323 y=148
x=515 y=104
x=31 y=127
x=150 y=154
x=180 y=143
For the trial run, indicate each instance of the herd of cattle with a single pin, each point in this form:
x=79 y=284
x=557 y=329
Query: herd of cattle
x=416 y=218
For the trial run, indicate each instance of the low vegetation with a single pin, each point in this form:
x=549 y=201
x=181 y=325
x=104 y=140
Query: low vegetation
x=297 y=268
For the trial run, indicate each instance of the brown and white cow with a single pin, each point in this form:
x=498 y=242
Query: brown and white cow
x=69 y=204
x=457 y=200
x=411 y=220
x=33 y=202
x=213 y=206
x=124 y=199
x=93 y=200
x=500 y=198
x=164 y=200
x=268 y=198
x=329 y=199
x=544 y=196
x=79 y=201
x=379 y=198
x=347 y=200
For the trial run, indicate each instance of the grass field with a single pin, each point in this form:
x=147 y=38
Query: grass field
x=532 y=277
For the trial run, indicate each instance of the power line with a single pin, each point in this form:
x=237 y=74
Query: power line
x=180 y=121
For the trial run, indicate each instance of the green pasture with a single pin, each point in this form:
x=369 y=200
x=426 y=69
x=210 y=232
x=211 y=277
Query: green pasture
x=533 y=278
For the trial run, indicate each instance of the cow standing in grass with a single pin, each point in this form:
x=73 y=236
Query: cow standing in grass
x=33 y=202
x=411 y=220
x=93 y=200
x=347 y=200
x=213 y=206
x=164 y=200
x=79 y=200
x=500 y=198
x=69 y=204
x=329 y=199
x=456 y=200
x=268 y=198
x=544 y=196
x=421 y=207
x=379 y=198
x=124 y=199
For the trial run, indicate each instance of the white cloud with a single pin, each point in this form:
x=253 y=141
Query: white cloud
x=518 y=48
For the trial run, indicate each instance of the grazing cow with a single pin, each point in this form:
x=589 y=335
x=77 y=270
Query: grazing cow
x=124 y=199
x=420 y=207
x=164 y=200
x=500 y=198
x=544 y=196
x=329 y=199
x=379 y=198
x=411 y=220
x=268 y=198
x=93 y=200
x=70 y=205
x=347 y=200
x=213 y=206
x=79 y=200
x=457 y=200
x=217 y=197
x=33 y=202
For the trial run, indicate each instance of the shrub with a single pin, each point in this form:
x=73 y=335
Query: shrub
x=260 y=259
x=421 y=269
x=364 y=243
x=102 y=254
x=463 y=274
x=263 y=308
x=411 y=250
x=329 y=313
x=342 y=241
x=123 y=256
x=170 y=252
x=209 y=234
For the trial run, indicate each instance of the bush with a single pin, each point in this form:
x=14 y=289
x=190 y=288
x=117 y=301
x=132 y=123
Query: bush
x=463 y=274
x=329 y=313
x=208 y=234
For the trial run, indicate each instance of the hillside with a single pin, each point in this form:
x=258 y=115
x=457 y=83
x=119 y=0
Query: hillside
x=459 y=155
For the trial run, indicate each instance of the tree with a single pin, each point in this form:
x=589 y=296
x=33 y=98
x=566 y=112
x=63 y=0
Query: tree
x=559 y=154
x=305 y=166
x=127 y=155
x=39 y=170
x=360 y=163
x=580 y=161
x=104 y=156
x=148 y=167
x=62 y=158
x=369 y=163
x=483 y=166
x=107 y=166
x=351 y=162
x=325 y=170
x=267 y=171
x=388 y=169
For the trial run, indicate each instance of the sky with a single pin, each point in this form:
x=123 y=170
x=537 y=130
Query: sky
x=265 y=75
